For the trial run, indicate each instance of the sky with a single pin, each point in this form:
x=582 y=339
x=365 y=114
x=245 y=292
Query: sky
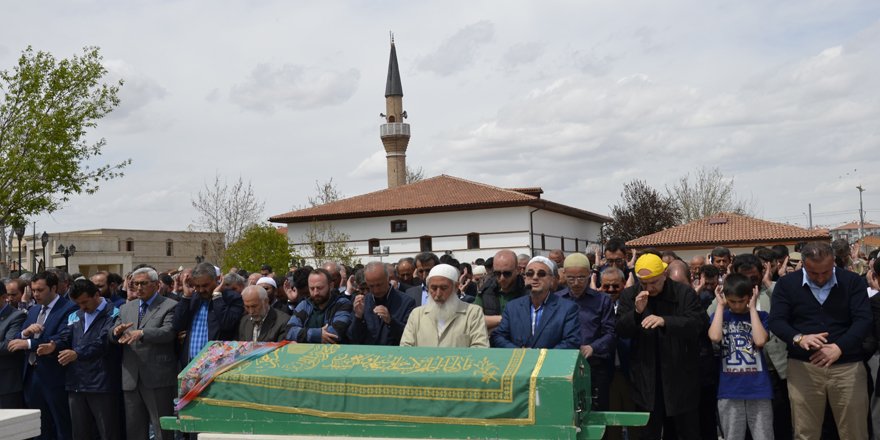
x=577 y=97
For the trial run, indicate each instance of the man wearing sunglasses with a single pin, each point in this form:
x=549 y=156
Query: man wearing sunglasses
x=504 y=285
x=597 y=321
x=541 y=319
x=664 y=319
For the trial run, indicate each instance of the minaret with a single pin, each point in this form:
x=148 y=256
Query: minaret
x=394 y=133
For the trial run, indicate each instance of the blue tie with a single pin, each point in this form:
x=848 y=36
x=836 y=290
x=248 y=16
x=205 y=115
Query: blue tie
x=142 y=312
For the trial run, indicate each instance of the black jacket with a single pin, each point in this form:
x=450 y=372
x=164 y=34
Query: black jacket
x=372 y=330
x=676 y=345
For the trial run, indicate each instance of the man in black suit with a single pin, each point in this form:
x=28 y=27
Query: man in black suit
x=260 y=323
x=145 y=329
x=11 y=363
x=204 y=312
x=425 y=261
x=380 y=315
x=41 y=339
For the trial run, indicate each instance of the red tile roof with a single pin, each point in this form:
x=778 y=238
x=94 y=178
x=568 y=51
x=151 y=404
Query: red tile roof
x=437 y=194
x=726 y=229
x=854 y=226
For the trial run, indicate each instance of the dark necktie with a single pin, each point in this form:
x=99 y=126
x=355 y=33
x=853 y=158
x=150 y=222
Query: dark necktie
x=41 y=319
x=141 y=312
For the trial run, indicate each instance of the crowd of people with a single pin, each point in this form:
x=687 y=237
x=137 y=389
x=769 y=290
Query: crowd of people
x=769 y=344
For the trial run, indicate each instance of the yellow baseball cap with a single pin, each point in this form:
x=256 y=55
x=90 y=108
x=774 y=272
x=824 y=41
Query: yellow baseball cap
x=649 y=266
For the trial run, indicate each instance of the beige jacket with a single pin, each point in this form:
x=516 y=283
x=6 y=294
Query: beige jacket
x=467 y=329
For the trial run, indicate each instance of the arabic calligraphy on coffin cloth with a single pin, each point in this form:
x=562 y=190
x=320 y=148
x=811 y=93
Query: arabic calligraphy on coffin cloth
x=432 y=385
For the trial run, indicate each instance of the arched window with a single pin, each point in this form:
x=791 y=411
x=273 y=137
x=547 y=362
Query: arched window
x=169 y=248
x=129 y=245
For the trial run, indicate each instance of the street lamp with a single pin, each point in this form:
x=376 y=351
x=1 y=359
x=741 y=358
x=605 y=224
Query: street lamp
x=45 y=240
x=861 y=215
x=19 y=232
x=66 y=252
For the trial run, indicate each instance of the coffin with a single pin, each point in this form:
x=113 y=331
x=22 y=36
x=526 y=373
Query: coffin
x=393 y=392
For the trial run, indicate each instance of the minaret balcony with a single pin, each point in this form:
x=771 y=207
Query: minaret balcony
x=394 y=129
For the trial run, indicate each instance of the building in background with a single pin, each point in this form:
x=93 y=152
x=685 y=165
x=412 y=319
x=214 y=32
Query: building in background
x=116 y=250
x=739 y=233
x=446 y=214
x=850 y=231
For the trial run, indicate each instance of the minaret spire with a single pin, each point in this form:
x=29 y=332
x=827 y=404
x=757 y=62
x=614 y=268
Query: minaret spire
x=394 y=133
x=393 y=86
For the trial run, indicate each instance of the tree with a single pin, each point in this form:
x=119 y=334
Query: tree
x=642 y=211
x=414 y=174
x=47 y=106
x=325 y=193
x=258 y=245
x=708 y=192
x=229 y=209
x=323 y=242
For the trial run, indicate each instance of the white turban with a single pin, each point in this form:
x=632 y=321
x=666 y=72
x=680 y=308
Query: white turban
x=445 y=271
x=267 y=280
x=545 y=261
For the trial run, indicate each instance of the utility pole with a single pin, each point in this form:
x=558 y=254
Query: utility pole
x=861 y=215
x=810 y=210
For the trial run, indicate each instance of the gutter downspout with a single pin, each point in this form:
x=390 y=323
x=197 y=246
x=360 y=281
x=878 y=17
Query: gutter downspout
x=532 y=231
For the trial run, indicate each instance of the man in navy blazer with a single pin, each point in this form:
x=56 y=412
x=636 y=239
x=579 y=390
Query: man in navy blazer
x=380 y=315
x=205 y=313
x=541 y=319
x=41 y=340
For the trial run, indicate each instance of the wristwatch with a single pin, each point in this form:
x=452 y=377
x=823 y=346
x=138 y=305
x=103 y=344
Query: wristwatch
x=797 y=339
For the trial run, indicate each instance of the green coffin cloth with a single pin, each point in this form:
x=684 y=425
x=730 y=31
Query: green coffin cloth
x=426 y=385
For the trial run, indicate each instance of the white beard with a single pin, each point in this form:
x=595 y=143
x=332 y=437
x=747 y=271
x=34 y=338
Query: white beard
x=443 y=313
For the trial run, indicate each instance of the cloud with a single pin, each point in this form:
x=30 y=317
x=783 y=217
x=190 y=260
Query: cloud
x=213 y=95
x=372 y=167
x=522 y=54
x=459 y=51
x=809 y=114
x=295 y=87
x=137 y=91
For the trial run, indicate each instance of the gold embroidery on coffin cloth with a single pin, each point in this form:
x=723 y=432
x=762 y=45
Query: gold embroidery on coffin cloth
x=347 y=388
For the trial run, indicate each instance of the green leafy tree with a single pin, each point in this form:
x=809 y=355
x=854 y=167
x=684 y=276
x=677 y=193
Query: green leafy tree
x=641 y=211
x=258 y=245
x=47 y=107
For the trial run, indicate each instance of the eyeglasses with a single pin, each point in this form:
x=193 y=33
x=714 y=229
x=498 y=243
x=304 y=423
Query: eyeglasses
x=614 y=260
x=141 y=283
x=504 y=273
x=611 y=286
x=532 y=273
x=579 y=279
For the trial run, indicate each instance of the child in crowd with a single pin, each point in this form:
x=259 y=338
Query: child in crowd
x=744 y=390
